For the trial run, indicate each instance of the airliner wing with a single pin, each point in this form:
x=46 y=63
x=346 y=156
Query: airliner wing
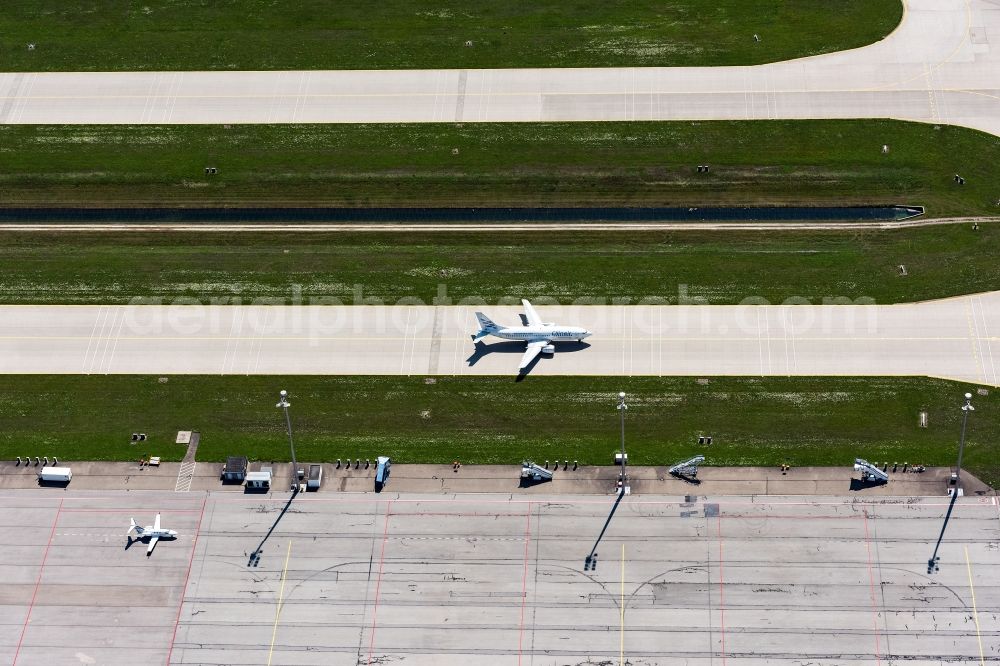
x=530 y=314
x=152 y=545
x=156 y=523
x=533 y=350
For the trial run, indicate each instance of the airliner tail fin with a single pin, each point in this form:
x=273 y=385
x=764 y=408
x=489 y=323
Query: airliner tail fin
x=486 y=323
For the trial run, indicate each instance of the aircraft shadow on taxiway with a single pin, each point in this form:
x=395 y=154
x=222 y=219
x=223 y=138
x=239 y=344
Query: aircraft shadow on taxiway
x=129 y=540
x=516 y=348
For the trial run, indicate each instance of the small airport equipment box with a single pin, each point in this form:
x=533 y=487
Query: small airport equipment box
x=261 y=479
x=235 y=469
x=315 y=476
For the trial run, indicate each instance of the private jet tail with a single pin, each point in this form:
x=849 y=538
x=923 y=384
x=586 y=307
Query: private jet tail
x=134 y=527
x=486 y=326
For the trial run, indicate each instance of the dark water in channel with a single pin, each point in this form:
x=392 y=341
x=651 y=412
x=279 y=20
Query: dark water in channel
x=445 y=215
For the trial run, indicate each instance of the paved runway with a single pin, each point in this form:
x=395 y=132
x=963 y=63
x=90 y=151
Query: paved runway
x=954 y=338
x=350 y=579
x=939 y=66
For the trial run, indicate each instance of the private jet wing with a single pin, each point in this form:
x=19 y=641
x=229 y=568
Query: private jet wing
x=154 y=539
x=531 y=316
x=533 y=350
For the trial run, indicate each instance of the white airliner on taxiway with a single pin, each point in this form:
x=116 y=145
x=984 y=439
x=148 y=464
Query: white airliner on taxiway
x=152 y=532
x=538 y=335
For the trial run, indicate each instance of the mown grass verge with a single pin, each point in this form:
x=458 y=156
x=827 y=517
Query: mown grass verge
x=753 y=421
x=506 y=164
x=442 y=267
x=72 y=35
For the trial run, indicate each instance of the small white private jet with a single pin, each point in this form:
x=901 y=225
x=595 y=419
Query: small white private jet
x=152 y=532
x=538 y=335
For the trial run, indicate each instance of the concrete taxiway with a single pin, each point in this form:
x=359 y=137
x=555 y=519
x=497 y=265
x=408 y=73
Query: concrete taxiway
x=938 y=66
x=954 y=338
x=344 y=580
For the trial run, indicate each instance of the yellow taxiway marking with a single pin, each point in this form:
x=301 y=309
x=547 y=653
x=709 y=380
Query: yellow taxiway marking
x=720 y=337
x=977 y=360
x=885 y=88
x=281 y=596
x=621 y=607
x=975 y=612
x=931 y=69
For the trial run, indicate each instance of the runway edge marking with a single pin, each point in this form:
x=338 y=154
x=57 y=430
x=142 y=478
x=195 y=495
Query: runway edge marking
x=187 y=578
x=38 y=582
x=378 y=584
x=524 y=586
x=871 y=581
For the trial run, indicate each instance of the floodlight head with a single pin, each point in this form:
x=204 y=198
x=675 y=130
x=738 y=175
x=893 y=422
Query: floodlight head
x=283 y=401
x=622 y=394
x=968 y=396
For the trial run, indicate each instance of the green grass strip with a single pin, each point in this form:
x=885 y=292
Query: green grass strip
x=753 y=421
x=72 y=35
x=548 y=164
x=445 y=268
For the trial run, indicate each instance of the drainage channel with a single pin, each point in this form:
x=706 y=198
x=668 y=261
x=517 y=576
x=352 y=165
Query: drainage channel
x=460 y=215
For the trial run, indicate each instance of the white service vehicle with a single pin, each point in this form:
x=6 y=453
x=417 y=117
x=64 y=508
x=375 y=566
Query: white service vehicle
x=538 y=335
x=56 y=474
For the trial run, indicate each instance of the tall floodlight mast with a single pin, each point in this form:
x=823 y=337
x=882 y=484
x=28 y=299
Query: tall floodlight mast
x=932 y=564
x=621 y=409
x=284 y=404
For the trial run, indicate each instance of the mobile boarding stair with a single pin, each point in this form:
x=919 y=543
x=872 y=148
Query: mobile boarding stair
x=532 y=473
x=869 y=472
x=688 y=469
